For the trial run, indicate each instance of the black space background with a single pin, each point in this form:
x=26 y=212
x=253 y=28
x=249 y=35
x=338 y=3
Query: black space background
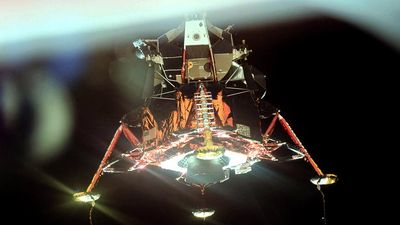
x=325 y=76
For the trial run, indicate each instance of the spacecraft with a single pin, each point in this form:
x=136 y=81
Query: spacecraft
x=186 y=123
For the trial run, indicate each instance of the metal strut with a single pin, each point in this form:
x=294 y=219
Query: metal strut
x=107 y=155
x=321 y=179
x=123 y=128
x=297 y=141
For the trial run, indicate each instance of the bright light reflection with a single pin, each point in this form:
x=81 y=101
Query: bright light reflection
x=86 y=197
x=172 y=163
x=203 y=213
x=235 y=160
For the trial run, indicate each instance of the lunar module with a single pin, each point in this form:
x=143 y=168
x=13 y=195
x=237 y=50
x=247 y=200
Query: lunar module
x=193 y=74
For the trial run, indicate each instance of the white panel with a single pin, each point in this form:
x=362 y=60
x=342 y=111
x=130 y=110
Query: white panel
x=196 y=33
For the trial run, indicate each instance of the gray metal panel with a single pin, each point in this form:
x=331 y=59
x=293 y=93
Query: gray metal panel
x=223 y=62
x=196 y=69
